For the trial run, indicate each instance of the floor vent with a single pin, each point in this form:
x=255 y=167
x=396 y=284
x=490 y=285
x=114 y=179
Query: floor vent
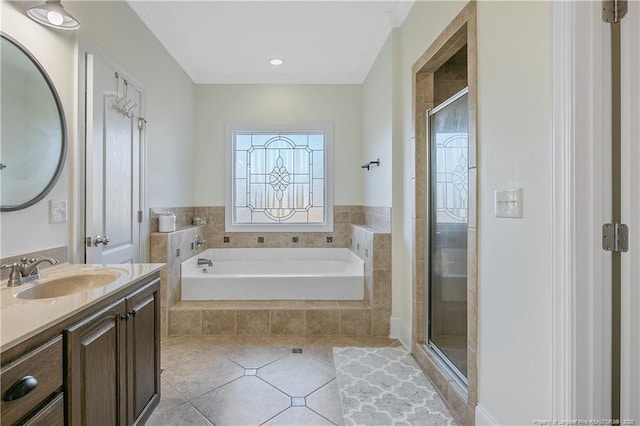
x=296 y=350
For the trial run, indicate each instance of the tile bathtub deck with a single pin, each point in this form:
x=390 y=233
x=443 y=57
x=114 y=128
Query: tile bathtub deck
x=251 y=380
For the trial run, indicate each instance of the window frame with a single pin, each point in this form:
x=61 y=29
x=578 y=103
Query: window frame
x=230 y=186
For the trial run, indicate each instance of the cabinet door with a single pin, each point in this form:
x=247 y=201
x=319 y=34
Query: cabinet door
x=143 y=352
x=96 y=370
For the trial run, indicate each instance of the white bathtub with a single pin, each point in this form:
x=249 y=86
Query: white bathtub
x=274 y=274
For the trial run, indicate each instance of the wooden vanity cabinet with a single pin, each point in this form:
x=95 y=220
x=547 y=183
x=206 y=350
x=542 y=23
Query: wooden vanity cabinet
x=44 y=366
x=113 y=361
x=99 y=366
x=96 y=370
x=143 y=353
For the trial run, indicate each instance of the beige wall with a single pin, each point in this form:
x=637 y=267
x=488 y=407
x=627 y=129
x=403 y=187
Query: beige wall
x=514 y=136
x=514 y=150
x=425 y=22
x=186 y=160
x=56 y=53
x=377 y=128
x=246 y=104
x=116 y=30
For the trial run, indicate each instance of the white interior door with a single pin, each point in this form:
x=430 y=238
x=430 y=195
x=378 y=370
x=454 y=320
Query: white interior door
x=583 y=376
x=112 y=199
x=630 y=307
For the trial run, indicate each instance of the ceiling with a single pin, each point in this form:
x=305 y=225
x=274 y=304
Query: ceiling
x=320 y=42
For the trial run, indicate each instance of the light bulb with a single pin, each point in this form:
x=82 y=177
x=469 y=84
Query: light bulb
x=276 y=62
x=55 y=18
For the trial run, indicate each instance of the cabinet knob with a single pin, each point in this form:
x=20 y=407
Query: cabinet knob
x=21 y=388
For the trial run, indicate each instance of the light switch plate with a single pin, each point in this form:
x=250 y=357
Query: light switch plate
x=57 y=211
x=509 y=203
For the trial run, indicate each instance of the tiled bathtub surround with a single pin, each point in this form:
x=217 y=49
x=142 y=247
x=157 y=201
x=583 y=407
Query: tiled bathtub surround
x=302 y=318
x=343 y=217
x=273 y=317
x=374 y=249
x=172 y=248
x=375 y=218
x=184 y=217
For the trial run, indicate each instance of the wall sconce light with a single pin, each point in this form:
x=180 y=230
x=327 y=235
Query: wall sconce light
x=52 y=14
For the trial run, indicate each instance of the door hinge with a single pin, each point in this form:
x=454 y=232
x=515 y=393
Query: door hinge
x=139 y=216
x=141 y=123
x=614 y=10
x=615 y=237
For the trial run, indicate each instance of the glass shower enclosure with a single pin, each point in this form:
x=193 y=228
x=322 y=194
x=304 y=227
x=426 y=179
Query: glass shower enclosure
x=447 y=216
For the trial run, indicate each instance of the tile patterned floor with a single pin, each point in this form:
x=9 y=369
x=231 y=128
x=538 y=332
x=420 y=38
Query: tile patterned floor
x=251 y=380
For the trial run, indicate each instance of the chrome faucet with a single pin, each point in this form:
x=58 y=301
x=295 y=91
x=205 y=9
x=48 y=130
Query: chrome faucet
x=14 y=275
x=29 y=267
x=26 y=270
x=204 y=262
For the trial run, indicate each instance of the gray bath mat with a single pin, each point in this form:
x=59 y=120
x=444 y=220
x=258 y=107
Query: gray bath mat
x=385 y=386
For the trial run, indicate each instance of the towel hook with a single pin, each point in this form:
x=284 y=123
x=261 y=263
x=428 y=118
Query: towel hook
x=371 y=163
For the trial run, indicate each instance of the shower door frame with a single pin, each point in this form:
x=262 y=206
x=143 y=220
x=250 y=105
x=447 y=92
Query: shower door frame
x=428 y=217
x=462 y=30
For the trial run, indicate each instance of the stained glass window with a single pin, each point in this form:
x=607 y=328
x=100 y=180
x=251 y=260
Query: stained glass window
x=279 y=178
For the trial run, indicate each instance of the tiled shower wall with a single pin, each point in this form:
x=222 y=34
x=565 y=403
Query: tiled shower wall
x=372 y=228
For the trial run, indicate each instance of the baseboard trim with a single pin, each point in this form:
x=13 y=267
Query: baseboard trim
x=401 y=332
x=483 y=417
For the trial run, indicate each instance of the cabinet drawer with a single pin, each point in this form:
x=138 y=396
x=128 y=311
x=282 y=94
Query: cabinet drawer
x=43 y=363
x=51 y=415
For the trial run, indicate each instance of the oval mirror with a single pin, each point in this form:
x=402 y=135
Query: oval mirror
x=33 y=131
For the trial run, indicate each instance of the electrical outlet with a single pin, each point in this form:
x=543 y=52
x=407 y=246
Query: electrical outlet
x=57 y=211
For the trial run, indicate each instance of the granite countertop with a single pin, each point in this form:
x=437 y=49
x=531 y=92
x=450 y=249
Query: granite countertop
x=24 y=318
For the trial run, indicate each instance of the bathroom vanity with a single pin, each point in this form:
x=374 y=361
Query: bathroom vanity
x=81 y=346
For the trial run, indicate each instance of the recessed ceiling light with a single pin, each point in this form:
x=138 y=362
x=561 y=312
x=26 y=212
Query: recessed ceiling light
x=276 y=62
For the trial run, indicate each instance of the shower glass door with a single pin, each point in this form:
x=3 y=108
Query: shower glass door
x=447 y=232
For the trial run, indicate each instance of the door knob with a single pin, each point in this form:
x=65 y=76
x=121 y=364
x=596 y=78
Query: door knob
x=100 y=240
